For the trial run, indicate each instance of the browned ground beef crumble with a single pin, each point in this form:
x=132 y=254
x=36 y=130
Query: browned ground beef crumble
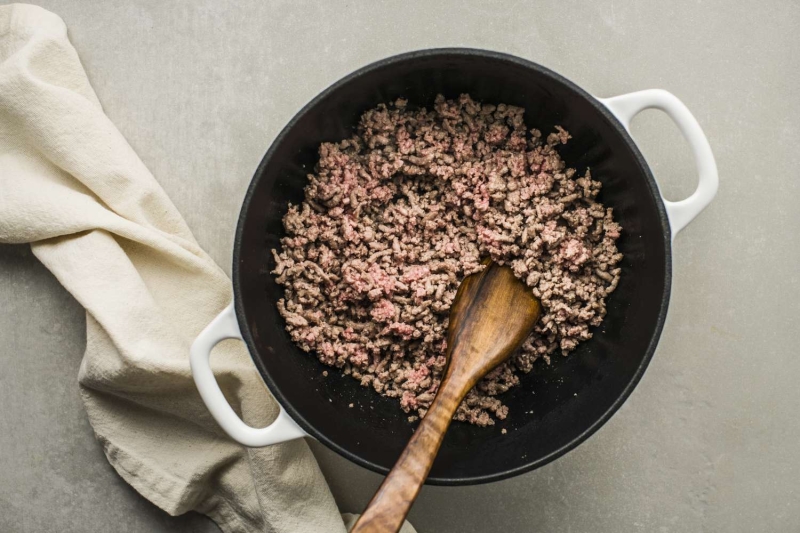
x=396 y=216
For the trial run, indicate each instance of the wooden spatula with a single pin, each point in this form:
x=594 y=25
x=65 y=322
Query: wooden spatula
x=493 y=313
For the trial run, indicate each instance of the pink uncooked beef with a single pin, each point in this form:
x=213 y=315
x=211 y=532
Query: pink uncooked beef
x=396 y=216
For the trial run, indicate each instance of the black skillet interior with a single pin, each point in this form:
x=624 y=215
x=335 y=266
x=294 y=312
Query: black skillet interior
x=557 y=406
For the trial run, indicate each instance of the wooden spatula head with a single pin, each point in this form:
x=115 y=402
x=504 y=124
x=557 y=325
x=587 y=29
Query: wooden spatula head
x=492 y=314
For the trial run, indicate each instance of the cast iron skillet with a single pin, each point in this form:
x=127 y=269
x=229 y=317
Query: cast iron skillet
x=557 y=406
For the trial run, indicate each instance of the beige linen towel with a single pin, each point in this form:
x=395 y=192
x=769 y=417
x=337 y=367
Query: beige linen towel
x=72 y=186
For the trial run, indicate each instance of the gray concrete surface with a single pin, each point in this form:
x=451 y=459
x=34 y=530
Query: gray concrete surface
x=709 y=441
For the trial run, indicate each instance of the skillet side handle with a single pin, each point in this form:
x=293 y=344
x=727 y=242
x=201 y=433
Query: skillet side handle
x=627 y=106
x=224 y=326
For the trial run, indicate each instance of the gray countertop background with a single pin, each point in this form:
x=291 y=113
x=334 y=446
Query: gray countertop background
x=710 y=439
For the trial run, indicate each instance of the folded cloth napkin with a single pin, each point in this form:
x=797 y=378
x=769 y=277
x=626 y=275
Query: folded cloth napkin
x=72 y=187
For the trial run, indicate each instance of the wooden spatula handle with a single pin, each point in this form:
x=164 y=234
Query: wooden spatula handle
x=388 y=508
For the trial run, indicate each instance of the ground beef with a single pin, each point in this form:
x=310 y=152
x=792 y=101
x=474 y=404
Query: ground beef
x=395 y=217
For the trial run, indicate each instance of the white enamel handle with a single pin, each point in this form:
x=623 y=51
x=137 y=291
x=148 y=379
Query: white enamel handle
x=627 y=106
x=225 y=326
